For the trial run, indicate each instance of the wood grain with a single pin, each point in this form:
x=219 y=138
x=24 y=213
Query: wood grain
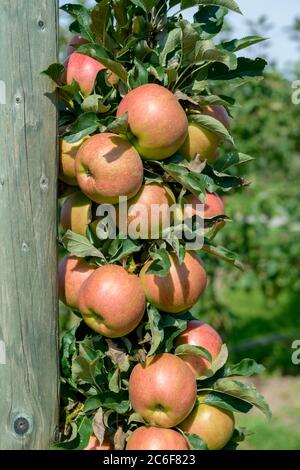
x=28 y=225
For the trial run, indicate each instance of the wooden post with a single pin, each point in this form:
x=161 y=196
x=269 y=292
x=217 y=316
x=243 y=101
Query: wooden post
x=28 y=225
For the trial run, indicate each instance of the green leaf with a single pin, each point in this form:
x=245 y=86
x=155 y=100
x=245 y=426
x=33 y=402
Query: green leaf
x=244 y=392
x=212 y=124
x=231 y=159
x=206 y=51
x=217 y=364
x=226 y=402
x=238 y=44
x=113 y=383
x=246 y=368
x=172 y=43
x=115 y=401
x=189 y=39
x=84 y=370
x=161 y=263
x=138 y=75
x=195 y=442
x=83 y=21
x=222 y=253
x=99 y=17
x=67 y=350
x=118 y=125
x=172 y=327
x=185 y=349
x=55 y=72
x=157 y=333
x=121 y=249
x=86 y=124
x=210 y=18
x=246 y=68
x=146 y=5
x=94 y=104
x=80 y=246
x=92 y=403
x=230 y=4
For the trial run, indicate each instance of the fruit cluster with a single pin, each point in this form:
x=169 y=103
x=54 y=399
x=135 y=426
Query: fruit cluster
x=111 y=300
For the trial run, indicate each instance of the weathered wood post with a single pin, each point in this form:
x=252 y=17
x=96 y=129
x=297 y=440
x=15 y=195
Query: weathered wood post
x=28 y=169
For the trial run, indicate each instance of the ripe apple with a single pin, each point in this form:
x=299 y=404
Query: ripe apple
x=156 y=120
x=219 y=113
x=162 y=390
x=153 y=438
x=200 y=334
x=143 y=213
x=95 y=445
x=84 y=70
x=76 y=213
x=72 y=272
x=214 y=425
x=67 y=154
x=200 y=141
x=180 y=289
x=213 y=207
x=107 y=167
x=112 y=301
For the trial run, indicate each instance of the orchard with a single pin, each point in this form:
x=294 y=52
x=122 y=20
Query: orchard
x=146 y=161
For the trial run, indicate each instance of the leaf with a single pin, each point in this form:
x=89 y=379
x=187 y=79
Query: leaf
x=195 y=442
x=113 y=383
x=226 y=402
x=99 y=17
x=119 y=438
x=67 y=350
x=84 y=370
x=118 y=356
x=109 y=400
x=157 y=333
x=146 y=5
x=189 y=39
x=80 y=246
x=211 y=19
x=187 y=349
x=122 y=249
x=55 y=72
x=238 y=44
x=231 y=159
x=136 y=418
x=98 y=426
x=118 y=125
x=161 y=263
x=172 y=327
x=244 y=392
x=92 y=403
x=230 y=4
x=172 y=43
x=82 y=16
x=85 y=125
x=212 y=124
x=138 y=75
x=245 y=68
x=246 y=368
x=94 y=104
x=217 y=364
x=222 y=253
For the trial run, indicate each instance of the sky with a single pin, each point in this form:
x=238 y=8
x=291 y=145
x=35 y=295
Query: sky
x=279 y=13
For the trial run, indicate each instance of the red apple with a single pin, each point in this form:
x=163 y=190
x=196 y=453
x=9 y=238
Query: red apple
x=84 y=70
x=200 y=334
x=112 y=301
x=94 y=444
x=153 y=438
x=157 y=121
x=72 y=273
x=218 y=112
x=76 y=213
x=162 y=390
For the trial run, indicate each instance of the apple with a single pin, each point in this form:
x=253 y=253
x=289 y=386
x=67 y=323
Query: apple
x=153 y=438
x=94 y=444
x=157 y=121
x=76 y=213
x=143 y=213
x=67 y=154
x=218 y=112
x=84 y=70
x=213 y=207
x=74 y=43
x=180 y=289
x=107 y=167
x=72 y=273
x=214 y=425
x=162 y=390
x=112 y=301
x=200 y=141
x=200 y=334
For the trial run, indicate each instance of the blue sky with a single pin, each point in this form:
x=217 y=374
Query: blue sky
x=280 y=14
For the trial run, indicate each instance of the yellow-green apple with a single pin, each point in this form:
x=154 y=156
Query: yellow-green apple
x=200 y=142
x=148 y=213
x=67 y=154
x=214 y=425
x=154 y=438
x=72 y=273
x=84 y=70
x=180 y=289
x=76 y=213
x=218 y=112
x=157 y=121
x=107 y=167
x=200 y=334
x=112 y=301
x=94 y=444
x=162 y=390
